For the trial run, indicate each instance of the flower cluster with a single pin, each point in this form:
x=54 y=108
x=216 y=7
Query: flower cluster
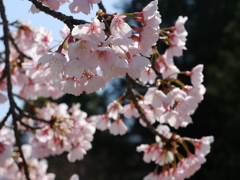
x=65 y=130
x=165 y=154
x=71 y=133
x=98 y=52
x=91 y=55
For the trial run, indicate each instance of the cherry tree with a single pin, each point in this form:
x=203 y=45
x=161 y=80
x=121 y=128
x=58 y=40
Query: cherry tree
x=90 y=55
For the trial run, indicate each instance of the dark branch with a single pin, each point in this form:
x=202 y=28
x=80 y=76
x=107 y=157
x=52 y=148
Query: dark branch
x=7 y=53
x=23 y=114
x=101 y=6
x=9 y=85
x=5 y=119
x=136 y=83
x=68 y=20
x=18 y=50
x=28 y=126
x=18 y=142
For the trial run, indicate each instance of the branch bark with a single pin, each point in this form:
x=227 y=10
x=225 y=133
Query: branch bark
x=68 y=20
x=9 y=85
x=102 y=7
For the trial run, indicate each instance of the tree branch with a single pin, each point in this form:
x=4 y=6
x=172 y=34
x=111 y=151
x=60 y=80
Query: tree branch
x=7 y=53
x=68 y=20
x=9 y=85
x=23 y=114
x=18 y=50
x=28 y=126
x=18 y=142
x=5 y=119
x=140 y=111
x=101 y=6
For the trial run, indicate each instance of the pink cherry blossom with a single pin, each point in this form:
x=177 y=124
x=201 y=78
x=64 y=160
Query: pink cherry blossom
x=5 y=152
x=53 y=4
x=119 y=28
x=166 y=66
x=92 y=32
x=150 y=15
x=78 y=151
x=179 y=26
x=148 y=76
x=178 y=37
x=103 y=122
x=151 y=176
x=73 y=68
x=82 y=6
x=55 y=59
x=72 y=86
x=94 y=83
x=150 y=10
x=118 y=127
x=114 y=109
x=74 y=177
x=196 y=75
x=129 y=110
x=136 y=65
x=150 y=152
x=154 y=97
x=202 y=146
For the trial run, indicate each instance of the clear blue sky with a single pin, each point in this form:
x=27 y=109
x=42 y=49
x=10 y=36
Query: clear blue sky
x=19 y=10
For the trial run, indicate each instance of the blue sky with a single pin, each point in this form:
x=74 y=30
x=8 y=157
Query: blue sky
x=19 y=10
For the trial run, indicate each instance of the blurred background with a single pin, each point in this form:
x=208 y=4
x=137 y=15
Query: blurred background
x=213 y=40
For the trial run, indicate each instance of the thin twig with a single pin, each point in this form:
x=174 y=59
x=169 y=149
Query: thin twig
x=28 y=126
x=137 y=83
x=5 y=119
x=23 y=114
x=68 y=20
x=18 y=50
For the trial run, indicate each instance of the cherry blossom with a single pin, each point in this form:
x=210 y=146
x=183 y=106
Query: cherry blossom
x=82 y=6
x=90 y=55
x=118 y=127
x=196 y=75
x=148 y=76
x=114 y=109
